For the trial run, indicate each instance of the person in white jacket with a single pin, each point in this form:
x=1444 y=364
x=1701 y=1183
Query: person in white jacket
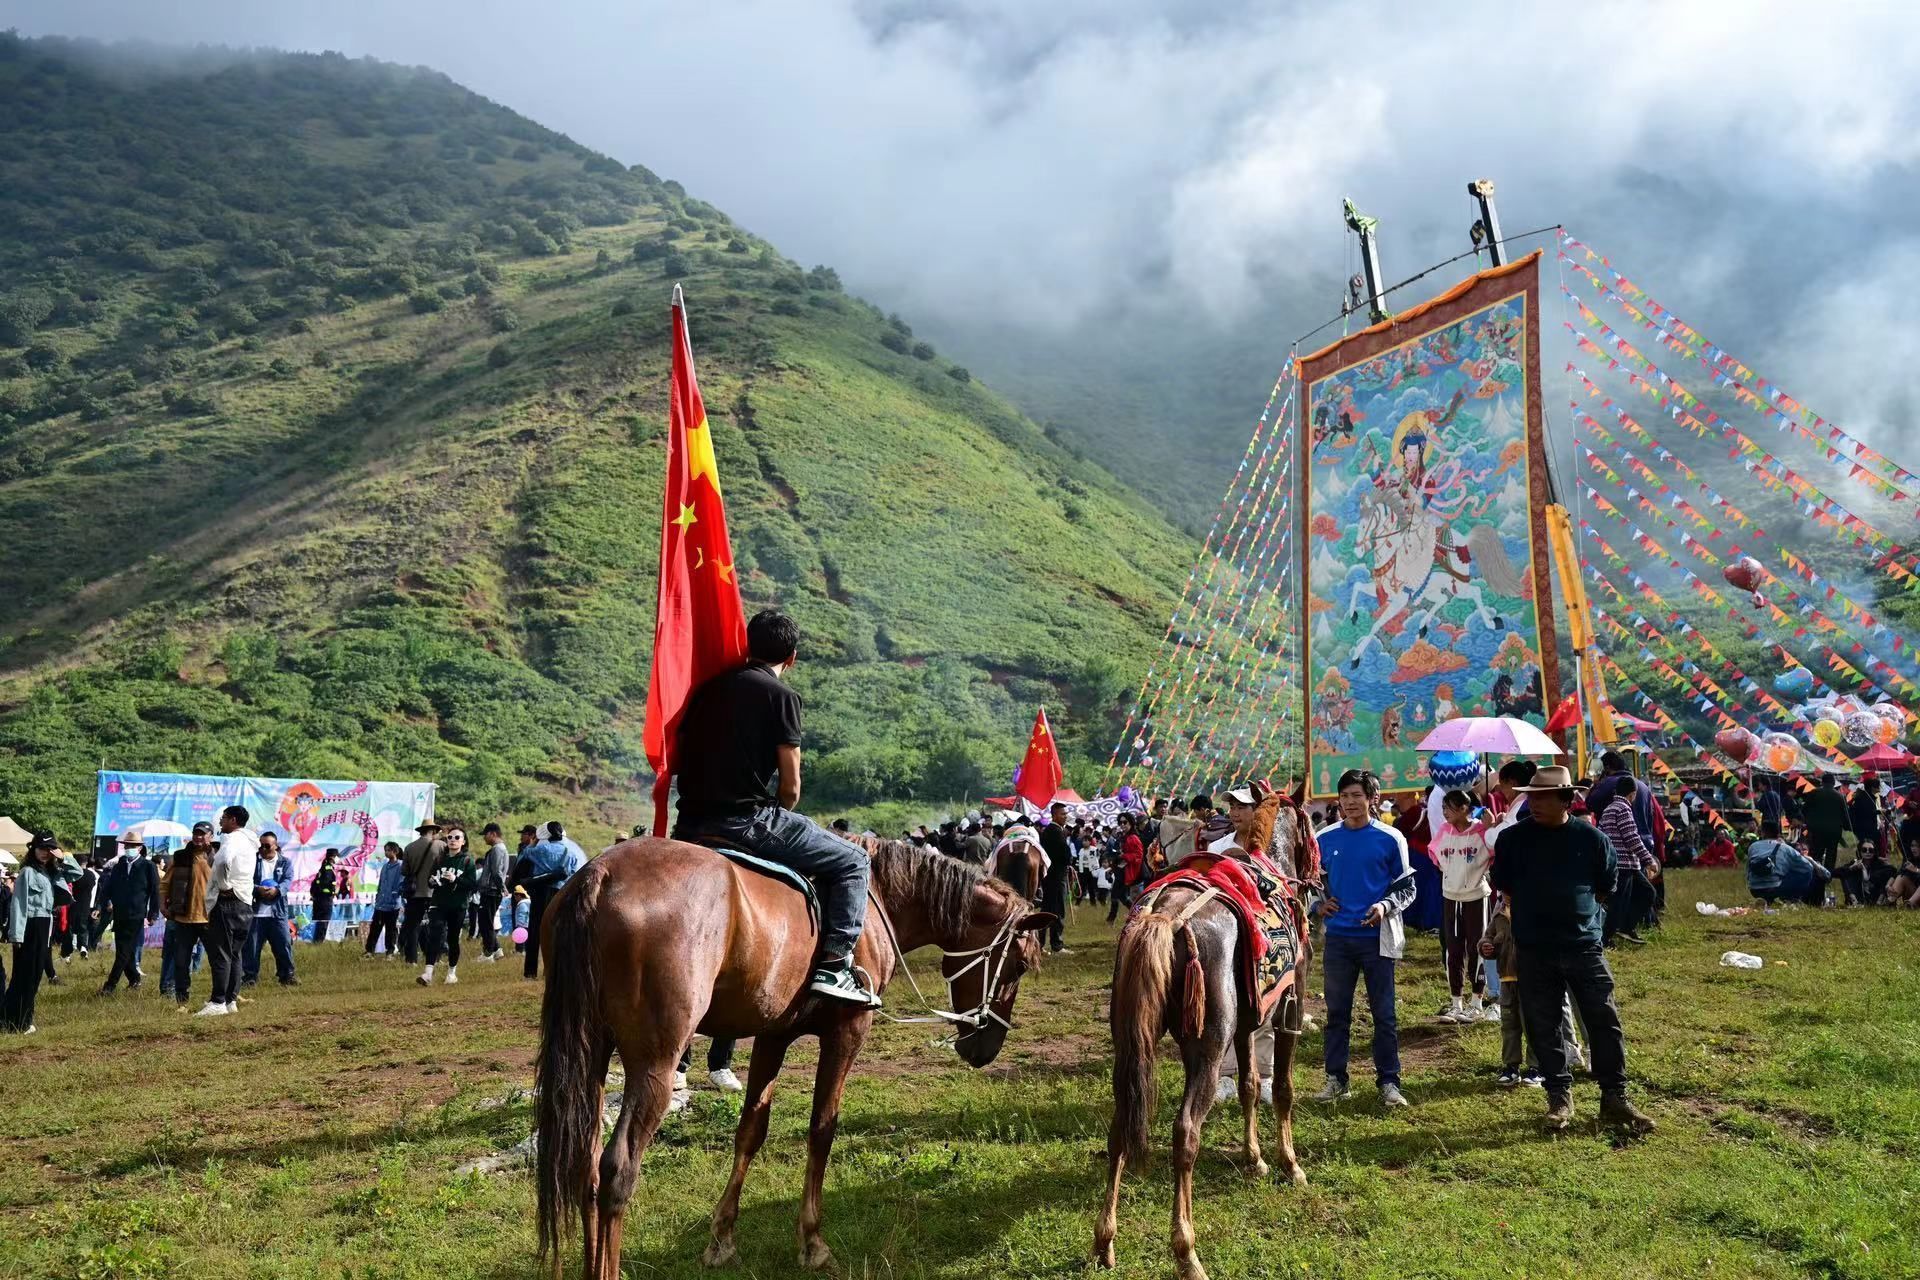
x=1465 y=857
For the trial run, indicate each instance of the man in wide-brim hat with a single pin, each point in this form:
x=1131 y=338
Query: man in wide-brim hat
x=1557 y=871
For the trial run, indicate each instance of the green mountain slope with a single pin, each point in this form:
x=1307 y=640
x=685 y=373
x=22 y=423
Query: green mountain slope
x=332 y=414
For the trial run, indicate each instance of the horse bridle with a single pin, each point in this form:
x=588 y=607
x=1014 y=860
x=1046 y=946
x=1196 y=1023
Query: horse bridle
x=992 y=957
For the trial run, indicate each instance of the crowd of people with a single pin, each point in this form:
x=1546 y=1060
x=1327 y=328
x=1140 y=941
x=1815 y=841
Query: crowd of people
x=227 y=896
x=1528 y=877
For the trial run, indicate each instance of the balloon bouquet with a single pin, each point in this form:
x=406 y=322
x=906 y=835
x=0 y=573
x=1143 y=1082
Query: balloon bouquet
x=1844 y=719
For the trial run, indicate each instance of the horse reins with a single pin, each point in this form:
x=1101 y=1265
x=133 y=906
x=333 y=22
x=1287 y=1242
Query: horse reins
x=995 y=952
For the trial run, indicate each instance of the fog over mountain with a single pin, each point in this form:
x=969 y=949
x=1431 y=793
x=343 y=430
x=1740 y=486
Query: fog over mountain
x=1132 y=182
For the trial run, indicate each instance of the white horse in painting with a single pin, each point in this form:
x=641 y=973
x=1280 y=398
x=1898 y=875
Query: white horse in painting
x=1413 y=573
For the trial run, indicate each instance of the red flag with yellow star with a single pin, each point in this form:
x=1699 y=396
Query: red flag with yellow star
x=1040 y=774
x=700 y=628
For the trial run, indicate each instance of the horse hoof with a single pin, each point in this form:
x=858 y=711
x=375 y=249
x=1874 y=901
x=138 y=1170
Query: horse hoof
x=1299 y=1176
x=1258 y=1169
x=1104 y=1256
x=1189 y=1268
x=815 y=1256
x=720 y=1253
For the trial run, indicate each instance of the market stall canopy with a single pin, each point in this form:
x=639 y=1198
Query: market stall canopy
x=1490 y=735
x=1884 y=757
x=13 y=836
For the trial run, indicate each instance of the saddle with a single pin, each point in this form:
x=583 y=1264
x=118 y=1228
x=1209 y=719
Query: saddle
x=1271 y=918
x=773 y=870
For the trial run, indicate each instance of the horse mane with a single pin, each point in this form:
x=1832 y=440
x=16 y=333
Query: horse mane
x=943 y=886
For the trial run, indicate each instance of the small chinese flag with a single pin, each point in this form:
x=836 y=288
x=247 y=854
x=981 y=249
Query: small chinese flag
x=700 y=628
x=1040 y=771
x=1565 y=716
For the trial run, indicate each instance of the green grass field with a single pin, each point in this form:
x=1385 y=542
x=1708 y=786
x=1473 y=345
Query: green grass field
x=317 y=1134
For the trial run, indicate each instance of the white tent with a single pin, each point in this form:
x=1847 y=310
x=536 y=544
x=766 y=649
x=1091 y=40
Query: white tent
x=13 y=836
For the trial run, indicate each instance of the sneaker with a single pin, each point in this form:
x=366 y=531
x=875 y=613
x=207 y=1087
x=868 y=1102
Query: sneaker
x=289 y=982
x=211 y=1010
x=679 y=1082
x=1616 y=1112
x=497 y=954
x=1489 y=1014
x=233 y=1006
x=1390 y=1096
x=490 y=957
x=678 y=1101
x=1063 y=951
x=453 y=977
x=839 y=984
x=1227 y=1089
x=1559 y=1111
x=1533 y=1079
x=426 y=977
x=1333 y=1090
x=1509 y=1078
x=725 y=1081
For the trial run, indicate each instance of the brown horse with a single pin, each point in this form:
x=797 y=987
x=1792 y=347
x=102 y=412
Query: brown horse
x=1181 y=974
x=655 y=940
x=1019 y=865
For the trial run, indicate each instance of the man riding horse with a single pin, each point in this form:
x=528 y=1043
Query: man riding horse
x=739 y=760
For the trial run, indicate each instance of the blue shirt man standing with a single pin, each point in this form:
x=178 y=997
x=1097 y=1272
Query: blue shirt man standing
x=1369 y=881
x=544 y=867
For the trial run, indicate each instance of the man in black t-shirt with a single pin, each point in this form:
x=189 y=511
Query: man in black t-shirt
x=738 y=754
x=1557 y=873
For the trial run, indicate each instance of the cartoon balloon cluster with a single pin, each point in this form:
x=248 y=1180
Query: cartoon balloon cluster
x=1844 y=719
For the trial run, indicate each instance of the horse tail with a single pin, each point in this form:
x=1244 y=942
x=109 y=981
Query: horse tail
x=1142 y=983
x=572 y=1045
x=1490 y=553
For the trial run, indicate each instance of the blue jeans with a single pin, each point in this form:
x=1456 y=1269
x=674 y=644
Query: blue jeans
x=271 y=930
x=839 y=870
x=1347 y=959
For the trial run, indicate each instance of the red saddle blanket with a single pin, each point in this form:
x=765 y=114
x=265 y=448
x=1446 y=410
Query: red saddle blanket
x=1272 y=920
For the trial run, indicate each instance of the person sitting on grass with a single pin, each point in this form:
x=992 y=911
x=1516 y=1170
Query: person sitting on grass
x=1868 y=878
x=1778 y=872
x=1719 y=851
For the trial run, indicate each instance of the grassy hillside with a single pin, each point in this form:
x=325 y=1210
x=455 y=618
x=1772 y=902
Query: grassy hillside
x=332 y=410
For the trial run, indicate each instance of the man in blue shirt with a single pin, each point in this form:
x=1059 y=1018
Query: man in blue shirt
x=1369 y=881
x=1778 y=872
x=272 y=882
x=545 y=866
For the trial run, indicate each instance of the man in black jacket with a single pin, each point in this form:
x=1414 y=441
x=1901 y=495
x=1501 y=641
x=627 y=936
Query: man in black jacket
x=130 y=890
x=1053 y=886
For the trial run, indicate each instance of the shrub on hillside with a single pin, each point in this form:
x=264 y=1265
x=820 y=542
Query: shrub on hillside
x=923 y=351
x=894 y=342
x=959 y=374
x=423 y=303
x=500 y=357
x=624 y=307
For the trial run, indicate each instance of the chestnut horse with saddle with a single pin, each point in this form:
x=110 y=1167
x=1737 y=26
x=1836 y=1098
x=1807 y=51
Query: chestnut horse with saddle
x=1182 y=969
x=657 y=939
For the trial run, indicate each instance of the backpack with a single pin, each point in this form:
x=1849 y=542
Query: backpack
x=1760 y=865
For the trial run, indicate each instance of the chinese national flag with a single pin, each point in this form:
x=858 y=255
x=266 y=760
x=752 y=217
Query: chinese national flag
x=1040 y=771
x=1565 y=716
x=700 y=629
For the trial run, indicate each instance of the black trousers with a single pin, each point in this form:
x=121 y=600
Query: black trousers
x=538 y=896
x=489 y=923
x=416 y=911
x=1626 y=909
x=1823 y=847
x=1547 y=976
x=29 y=966
x=128 y=939
x=185 y=938
x=443 y=934
x=1053 y=898
x=385 y=923
x=719 y=1055
x=228 y=925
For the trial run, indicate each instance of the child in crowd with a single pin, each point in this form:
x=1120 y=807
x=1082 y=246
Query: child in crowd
x=1460 y=849
x=1498 y=945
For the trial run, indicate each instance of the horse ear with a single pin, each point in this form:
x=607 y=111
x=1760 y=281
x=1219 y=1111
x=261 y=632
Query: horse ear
x=1035 y=920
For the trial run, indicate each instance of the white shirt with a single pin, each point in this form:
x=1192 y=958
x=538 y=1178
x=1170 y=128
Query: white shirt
x=232 y=869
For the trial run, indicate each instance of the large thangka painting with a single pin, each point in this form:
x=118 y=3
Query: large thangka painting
x=1428 y=593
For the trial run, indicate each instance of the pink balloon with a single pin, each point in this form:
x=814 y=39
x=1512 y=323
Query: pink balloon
x=519 y=935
